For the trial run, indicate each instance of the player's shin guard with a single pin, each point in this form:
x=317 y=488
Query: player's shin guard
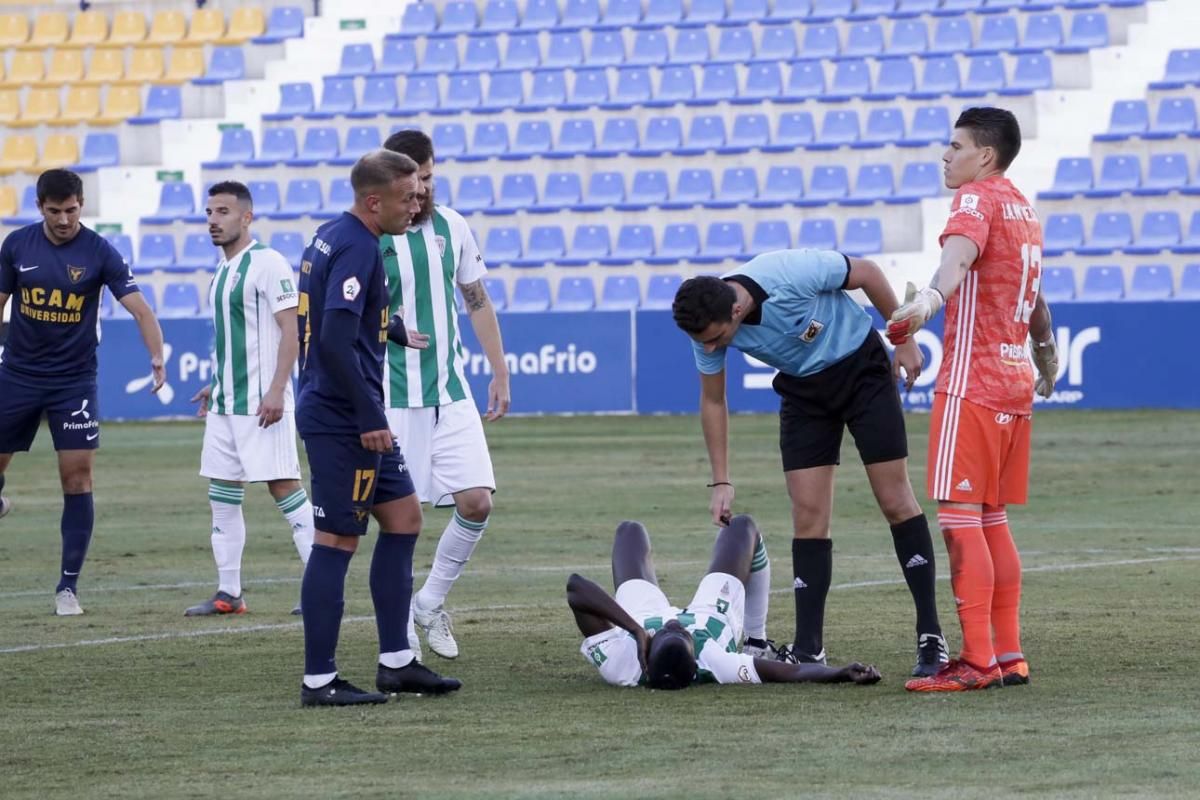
x=228 y=535
x=914 y=551
x=391 y=592
x=972 y=580
x=322 y=596
x=1006 y=599
x=812 y=570
x=454 y=550
x=78 y=517
x=758 y=593
x=299 y=514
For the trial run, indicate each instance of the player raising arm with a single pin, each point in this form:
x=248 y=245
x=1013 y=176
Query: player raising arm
x=979 y=438
x=55 y=270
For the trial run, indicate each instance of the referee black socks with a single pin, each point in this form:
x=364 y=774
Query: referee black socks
x=812 y=569
x=914 y=551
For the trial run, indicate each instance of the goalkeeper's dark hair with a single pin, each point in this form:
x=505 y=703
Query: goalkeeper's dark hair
x=996 y=128
x=411 y=142
x=59 y=185
x=671 y=663
x=235 y=188
x=702 y=301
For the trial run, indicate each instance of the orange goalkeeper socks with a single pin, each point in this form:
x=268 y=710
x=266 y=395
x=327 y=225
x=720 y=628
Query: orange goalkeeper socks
x=972 y=578
x=1006 y=598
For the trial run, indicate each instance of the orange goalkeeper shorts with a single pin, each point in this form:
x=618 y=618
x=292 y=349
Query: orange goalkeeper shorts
x=977 y=455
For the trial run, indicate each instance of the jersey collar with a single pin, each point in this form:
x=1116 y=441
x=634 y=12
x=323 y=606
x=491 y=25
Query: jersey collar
x=757 y=293
x=238 y=255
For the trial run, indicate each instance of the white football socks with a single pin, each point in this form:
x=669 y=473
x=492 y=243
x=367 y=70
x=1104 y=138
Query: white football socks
x=453 y=552
x=228 y=535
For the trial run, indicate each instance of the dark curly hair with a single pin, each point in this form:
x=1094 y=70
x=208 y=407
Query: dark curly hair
x=702 y=301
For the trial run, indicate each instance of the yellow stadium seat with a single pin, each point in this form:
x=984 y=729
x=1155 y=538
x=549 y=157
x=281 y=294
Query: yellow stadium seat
x=60 y=150
x=49 y=29
x=129 y=27
x=41 y=106
x=121 y=103
x=245 y=23
x=28 y=66
x=167 y=27
x=107 y=65
x=208 y=25
x=145 y=65
x=186 y=63
x=8 y=201
x=82 y=105
x=66 y=66
x=14 y=29
x=90 y=28
x=10 y=104
x=19 y=153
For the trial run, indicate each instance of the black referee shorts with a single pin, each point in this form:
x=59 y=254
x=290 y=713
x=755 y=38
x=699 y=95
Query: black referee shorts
x=858 y=393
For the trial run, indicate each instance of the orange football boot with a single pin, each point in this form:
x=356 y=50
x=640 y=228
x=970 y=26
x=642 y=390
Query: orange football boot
x=957 y=676
x=1015 y=672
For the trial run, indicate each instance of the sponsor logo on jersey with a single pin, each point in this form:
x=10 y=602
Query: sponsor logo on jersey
x=322 y=245
x=812 y=331
x=389 y=252
x=969 y=201
x=350 y=288
x=75 y=273
x=1014 y=355
x=286 y=286
x=51 y=305
x=441 y=245
x=744 y=674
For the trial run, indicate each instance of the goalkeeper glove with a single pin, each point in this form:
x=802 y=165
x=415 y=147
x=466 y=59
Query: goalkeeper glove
x=919 y=308
x=1045 y=358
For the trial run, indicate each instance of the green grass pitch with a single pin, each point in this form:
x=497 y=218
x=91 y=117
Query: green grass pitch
x=134 y=700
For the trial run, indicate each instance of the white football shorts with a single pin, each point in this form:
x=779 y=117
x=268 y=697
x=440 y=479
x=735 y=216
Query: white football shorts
x=614 y=652
x=723 y=595
x=445 y=449
x=237 y=449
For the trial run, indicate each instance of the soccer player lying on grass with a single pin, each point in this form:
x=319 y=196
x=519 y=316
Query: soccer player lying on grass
x=638 y=637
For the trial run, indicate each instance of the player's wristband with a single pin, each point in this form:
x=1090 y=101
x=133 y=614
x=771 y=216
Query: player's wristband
x=719 y=483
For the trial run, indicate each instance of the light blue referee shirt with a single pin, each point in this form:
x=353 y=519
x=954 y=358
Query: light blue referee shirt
x=804 y=320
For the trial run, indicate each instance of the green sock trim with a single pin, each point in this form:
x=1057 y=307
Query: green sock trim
x=759 y=561
x=230 y=495
x=292 y=502
x=468 y=524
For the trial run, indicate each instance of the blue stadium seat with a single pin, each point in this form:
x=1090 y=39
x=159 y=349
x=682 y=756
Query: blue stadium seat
x=874 y=182
x=1151 y=282
x=703 y=12
x=764 y=81
x=1103 y=283
x=99 y=150
x=790 y=9
x=738 y=185
x=518 y=190
x=722 y=240
x=634 y=243
x=449 y=139
x=589 y=89
x=581 y=13
x=650 y=187
x=441 y=190
x=607 y=49
x=284 y=22
x=503 y=245
x=378 y=96
x=821 y=41
x=1062 y=232
x=649 y=48
x=794 y=129
x=984 y=74
x=464 y=91
x=884 y=125
x=156 y=251
x=290 y=245
x=266 y=197
x=680 y=241
x=839 y=128
x=123 y=243
x=828 y=182
x=522 y=51
x=830 y=9
x=575 y=294
x=930 y=124
x=1058 y=284
x=863 y=236
x=107 y=304
x=663 y=12
x=489 y=139
x=735 y=44
x=1165 y=173
x=619 y=135
x=337 y=97
x=817 y=234
x=180 y=300
x=916 y=6
x=1110 y=231
x=237 y=146
x=622 y=13
x=1042 y=32
x=458 y=16
x=357 y=59
x=997 y=34
x=224 y=64
x=588 y=243
x=770 y=235
x=1160 y=230
x=777 y=43
x=1088 y=30
x=951 y=35
x=530 y=294
x=319 y=144
x=198 y=253
x=851 y=78
x=564 y=49
x=783 y=185
x=750 y=131
x=341 y=195
x=692 y=187
x=302 y=197
x=691 y=47
x=1191 y=239
x=620 y=292
x=633 y=87
x=873 y=8
x=706 y=132
x=604 y=189
x=940 y=76
x=294 y=99
x=546 y=243
x=660 y=291
x=896 y=76
x=562 y=190
x=576 y=136
x=920 y=179
x=175 y=201
x=909 y=37
x=1189 y=283
x=499 y=16
x=360 y=140
x=505 y=90
x=482 y=54
x=1129 y=118
x=806 y=79
x=548 y=89
x=677 y=84
x=420 y=93
x=1032 y=71
x=1117 y=174
x=864 y=39
x=1183 y=68
x=419 y=18
x=1175 y=115
x=166 y=102
x=663 y=134
x=532 y=138
x=540 y=15
x=1072 y=176
x=747 y=10
x=498 y=292
x=475 y=193
x=399 y=57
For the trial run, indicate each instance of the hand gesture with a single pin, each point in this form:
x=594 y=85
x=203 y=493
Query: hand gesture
x=270 y=410
x=160 y=374
x=909 y=318
x=379 y=441
x=405 y=337
x=909 y=358
x=862 y=674
x=1045 y=358
x=721 y=504
x=499 y=398
x=203 y=397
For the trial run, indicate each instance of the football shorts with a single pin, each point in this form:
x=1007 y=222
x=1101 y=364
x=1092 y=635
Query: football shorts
x=446 y=449
x=236 y=448
x=977 y=455
x=614 y=652
x=71 y=413
x=349 y=480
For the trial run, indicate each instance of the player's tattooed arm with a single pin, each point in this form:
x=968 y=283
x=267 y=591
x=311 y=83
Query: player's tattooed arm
x=475 y=296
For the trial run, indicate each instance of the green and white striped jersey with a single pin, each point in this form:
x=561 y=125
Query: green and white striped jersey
x=717 y=656
x=422 y=269
x=246 y=293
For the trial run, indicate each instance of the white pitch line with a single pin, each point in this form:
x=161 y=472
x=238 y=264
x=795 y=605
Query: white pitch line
x=287 y=626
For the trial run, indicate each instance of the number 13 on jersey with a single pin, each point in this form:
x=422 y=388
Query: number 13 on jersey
x=1031 y=281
